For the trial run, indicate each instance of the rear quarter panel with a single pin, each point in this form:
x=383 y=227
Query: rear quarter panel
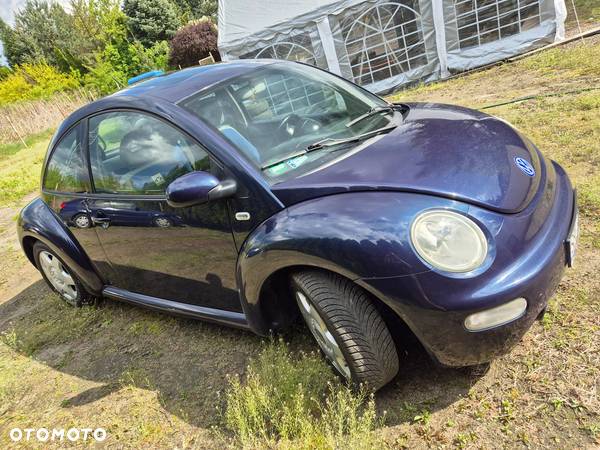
x=38 y=221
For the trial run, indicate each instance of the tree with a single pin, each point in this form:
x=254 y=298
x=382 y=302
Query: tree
x=196 y=9
x=151 y=20
x=45 y=32
x=193 y=42
x=100 y=21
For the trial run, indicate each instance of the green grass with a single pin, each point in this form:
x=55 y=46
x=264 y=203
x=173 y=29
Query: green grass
x=294 y=401
x=578 y=61
x=43 y=333
x=20 y=168
x=9 y=149
x=586 y=10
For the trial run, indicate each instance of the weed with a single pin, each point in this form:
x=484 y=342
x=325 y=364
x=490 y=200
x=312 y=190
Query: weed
x=150 y=325
x=507 y=411
x=134 y=377
x=593 y=429
x=294 y=401
x=423 y=418
x=462 y=440
x=10 y=339
x=557 y=403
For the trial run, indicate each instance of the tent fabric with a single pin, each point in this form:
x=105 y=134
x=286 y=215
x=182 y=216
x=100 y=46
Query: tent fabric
x=384 y=44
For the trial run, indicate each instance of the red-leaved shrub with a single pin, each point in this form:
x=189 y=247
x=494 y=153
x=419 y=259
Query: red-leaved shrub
x=192 y=42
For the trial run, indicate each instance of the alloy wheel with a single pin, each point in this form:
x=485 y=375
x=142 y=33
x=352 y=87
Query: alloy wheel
x=162 y=222
x=325 y=339
x=59 y=276
x=82 y=221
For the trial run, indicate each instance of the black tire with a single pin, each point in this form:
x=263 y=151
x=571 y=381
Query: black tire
x=354 y=322
x=81 y=298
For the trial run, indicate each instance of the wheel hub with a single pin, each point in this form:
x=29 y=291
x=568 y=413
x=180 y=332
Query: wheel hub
x=58 y=275
x=162 y=222
x=323 y=336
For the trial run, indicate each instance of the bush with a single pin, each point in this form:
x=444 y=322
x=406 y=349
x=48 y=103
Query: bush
x=193 y=42
x=33 y=81
x=117 y=63
x=4 y=72
x=103 y=78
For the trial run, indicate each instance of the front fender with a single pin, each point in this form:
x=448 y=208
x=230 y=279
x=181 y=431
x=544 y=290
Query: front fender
x=38 y=221
x=355 y=234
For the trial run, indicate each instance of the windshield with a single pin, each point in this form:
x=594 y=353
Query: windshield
x=283 y=109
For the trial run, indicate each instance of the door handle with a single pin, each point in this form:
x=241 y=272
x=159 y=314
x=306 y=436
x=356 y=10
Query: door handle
x=104 y=222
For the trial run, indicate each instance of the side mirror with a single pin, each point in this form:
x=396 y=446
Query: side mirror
x=198 y=187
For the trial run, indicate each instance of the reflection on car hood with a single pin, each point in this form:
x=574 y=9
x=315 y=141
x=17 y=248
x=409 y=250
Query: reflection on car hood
x=441 y=150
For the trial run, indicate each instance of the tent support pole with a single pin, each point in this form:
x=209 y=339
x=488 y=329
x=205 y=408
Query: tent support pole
x=439 y=25
x=326 y=37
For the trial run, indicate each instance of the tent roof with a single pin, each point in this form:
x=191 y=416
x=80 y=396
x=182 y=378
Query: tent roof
x=241 y=18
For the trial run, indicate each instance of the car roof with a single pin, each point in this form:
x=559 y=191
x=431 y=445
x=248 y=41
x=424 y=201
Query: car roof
x=178 y=85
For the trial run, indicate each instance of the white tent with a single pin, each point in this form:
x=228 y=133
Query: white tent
x=382 y=44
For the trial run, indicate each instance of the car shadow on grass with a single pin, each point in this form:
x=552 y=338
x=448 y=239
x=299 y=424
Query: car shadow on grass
x=186 y=362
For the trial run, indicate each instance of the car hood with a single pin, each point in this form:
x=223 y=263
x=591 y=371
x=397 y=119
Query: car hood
x=441 y=150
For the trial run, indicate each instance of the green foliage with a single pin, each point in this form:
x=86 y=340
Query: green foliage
x=151 y=20
x=294 y=401
x=117 y=63
x=196 y=9
x=33 y=81
x=193 y=42
x=43 y=31
x=586 y=10
x=91 y=40
x=101 y=21
x=4 y=72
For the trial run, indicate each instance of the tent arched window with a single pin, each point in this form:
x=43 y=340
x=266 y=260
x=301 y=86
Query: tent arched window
x=288 y=50
x=383 y=41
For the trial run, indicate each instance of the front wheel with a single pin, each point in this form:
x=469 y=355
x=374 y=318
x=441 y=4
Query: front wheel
x=347 y=327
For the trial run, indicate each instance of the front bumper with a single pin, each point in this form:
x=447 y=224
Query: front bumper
x=435 y=306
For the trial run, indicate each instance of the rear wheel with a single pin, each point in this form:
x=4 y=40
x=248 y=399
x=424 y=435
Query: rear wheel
x=347 y=327
x=59 y=277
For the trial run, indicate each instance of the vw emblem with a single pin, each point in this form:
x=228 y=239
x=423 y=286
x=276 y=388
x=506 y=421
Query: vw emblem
x=525 y=166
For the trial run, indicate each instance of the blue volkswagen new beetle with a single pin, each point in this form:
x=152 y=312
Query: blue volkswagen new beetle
x=252 y=193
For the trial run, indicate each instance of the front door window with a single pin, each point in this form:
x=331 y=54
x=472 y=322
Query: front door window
x=134 y=153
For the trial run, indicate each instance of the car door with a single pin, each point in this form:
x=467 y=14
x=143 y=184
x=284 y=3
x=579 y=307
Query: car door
x=182 y=254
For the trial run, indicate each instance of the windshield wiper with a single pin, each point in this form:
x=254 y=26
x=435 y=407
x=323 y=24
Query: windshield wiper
x=373 y=111
x=329 y=142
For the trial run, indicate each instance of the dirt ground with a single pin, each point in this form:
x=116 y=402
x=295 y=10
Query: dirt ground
x=157 y=381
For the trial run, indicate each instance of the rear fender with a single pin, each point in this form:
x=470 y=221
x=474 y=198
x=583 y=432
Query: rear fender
x=39 y=222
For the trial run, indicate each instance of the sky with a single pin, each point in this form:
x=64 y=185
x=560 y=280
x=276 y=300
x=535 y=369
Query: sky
x=7 y=13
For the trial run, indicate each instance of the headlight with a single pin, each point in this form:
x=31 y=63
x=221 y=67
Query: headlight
x=448 y=241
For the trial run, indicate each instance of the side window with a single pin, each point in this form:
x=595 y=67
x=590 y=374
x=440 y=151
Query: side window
x=134 y=153
x=66 y=171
